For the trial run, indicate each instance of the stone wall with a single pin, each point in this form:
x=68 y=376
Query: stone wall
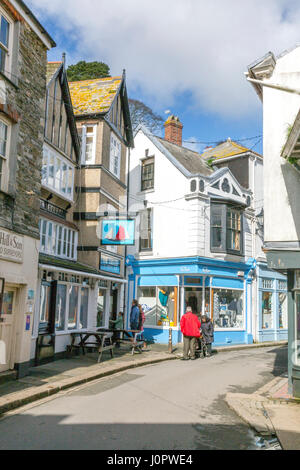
x=25 y=95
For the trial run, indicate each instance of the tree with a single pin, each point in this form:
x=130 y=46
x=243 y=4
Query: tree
x=87 y=71
x=142 y=114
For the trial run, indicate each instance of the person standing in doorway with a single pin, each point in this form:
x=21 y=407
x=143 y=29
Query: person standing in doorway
x=190 y=328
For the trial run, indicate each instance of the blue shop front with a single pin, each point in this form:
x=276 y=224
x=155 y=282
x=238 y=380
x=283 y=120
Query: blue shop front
x=220 y=289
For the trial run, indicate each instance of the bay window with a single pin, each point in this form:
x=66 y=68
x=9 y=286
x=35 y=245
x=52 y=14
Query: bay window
x=228 y=308
x=226 y=229
x=57 y=173
x=58 y=240
x=159 y=305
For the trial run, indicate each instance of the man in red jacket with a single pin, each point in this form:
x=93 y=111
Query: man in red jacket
x=190 y=328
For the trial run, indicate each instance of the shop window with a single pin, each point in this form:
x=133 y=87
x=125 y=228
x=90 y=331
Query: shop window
x=282 y=307
x=146 y=217
x=147 y=174
x=61 y=306
x=101 y=308
x=159 y=305
x=282 y=285
x=84 y=307
x=267 y=283
x=44 y=307
x=193 y=297
x=267 y=310
x=228 y=308
x=226 y=229
x=73 y=307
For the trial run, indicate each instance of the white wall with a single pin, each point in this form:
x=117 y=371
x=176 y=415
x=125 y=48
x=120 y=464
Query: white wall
x=281 y=180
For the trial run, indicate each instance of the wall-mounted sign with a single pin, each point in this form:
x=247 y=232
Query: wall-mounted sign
x=27 y=328
x=110 y=264
x=11 y=246
x=30 y=295
x=118 y=232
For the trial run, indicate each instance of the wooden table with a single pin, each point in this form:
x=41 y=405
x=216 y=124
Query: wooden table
x=132 y=338
x=99 y=341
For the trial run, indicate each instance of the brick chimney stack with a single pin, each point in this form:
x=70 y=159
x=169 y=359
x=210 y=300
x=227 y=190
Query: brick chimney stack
x=173 y=130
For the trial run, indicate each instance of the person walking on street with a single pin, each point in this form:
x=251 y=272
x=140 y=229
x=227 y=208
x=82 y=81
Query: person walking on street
x=207 y=329
x=142 y=319
x=190 y=328
x=134 y=316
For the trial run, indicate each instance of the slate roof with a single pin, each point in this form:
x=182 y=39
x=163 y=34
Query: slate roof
x=94 y=96
x=225 y=150
x=190 y=160
x=67 y=264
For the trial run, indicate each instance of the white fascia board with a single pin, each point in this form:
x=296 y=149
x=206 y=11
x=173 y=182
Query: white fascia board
x=44 y=37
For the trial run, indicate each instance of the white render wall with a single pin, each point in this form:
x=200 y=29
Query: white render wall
x=281 y=180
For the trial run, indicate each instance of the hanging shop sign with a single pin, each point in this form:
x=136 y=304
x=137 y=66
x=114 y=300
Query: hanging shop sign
x=11 y=246
x=118 y=232
x=110 y=264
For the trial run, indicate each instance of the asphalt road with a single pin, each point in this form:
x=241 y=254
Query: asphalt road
x=174 y=405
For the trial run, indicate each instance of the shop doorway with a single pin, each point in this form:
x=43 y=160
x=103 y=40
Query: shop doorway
x=113 y=303
x=193 y=297
x=7 y=340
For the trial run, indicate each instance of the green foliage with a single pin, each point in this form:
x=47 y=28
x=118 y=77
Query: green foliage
x=210 y=162
x=87 y=71
x=142 y=114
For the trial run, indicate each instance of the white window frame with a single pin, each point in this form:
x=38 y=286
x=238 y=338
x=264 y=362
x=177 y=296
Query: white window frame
x=115 y=155
x=65 y=248
x=4 y=177
x=62 y=189
x=85 y=135
x=8 y=62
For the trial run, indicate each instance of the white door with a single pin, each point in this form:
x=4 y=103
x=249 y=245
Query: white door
x=7 y=319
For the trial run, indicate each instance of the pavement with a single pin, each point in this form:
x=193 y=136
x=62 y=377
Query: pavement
x=269 y=411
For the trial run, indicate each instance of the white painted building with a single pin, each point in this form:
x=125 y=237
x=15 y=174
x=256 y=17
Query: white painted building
x=198 y=237
x=277 y=83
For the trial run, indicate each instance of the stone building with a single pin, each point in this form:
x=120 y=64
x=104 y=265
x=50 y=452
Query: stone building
x=23 y=57
x=103 y=120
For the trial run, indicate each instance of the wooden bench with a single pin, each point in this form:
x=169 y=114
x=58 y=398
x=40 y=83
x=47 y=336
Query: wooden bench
x=132 y=338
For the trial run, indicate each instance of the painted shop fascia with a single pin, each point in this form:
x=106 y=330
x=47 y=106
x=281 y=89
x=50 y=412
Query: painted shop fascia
x=195 y=274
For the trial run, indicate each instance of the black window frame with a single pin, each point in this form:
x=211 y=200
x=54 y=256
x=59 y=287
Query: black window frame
x=148 y=162
x=149 y=230
x=223 y=209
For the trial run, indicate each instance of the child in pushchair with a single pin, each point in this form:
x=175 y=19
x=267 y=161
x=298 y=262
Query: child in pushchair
x=207 y=337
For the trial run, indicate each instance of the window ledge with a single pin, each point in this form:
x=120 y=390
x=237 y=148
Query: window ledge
x=11 y=82
x=146 y=191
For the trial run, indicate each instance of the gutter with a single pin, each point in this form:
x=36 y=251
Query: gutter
x=274 y=85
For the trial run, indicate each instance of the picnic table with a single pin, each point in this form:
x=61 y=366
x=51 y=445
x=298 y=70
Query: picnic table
x=102 y=341
x=130 y=337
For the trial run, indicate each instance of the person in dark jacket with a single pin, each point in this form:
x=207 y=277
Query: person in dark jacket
x=190 y=328
x=134 y=316
x=207 y=330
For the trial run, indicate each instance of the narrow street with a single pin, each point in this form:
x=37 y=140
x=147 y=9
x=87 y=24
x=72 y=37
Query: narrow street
x=171 y=406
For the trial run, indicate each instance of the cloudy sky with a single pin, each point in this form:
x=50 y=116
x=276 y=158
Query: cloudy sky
x=187 y=56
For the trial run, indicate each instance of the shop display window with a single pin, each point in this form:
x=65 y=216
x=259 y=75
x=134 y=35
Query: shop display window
x=101 y=307
x=73 y=307
x=61 y=306
x=267 y=310
x=159 y=305
x=282 y=307
x=193 y=297
x=228 y=308
x=84 y=300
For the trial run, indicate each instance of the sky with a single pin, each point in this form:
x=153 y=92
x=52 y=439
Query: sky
x=183 y=56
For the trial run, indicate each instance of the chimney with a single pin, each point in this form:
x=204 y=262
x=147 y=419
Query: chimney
x=173 y=130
